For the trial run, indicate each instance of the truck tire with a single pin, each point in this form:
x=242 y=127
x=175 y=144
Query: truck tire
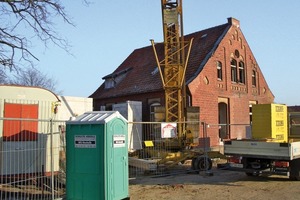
x=252 y=173
x=294 y=178
x=295 y=169
x=249 y=173
x=194 y=165
x=202 y=163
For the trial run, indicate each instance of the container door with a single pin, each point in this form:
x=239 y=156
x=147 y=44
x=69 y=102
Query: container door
x=20 y=140
x=118 y=155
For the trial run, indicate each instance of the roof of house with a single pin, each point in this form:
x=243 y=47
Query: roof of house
x=294 y=108
x=140 y=66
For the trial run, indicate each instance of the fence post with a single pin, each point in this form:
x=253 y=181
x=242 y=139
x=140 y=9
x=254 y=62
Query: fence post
x=52 y=158
x=205 y=143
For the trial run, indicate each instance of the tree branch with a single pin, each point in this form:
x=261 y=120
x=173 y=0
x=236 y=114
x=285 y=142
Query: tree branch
x=38 y=16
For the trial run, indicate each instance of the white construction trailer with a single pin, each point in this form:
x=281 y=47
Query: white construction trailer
x=30 y=136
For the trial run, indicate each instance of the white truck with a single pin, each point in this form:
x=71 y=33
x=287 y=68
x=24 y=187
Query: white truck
x=256 y=157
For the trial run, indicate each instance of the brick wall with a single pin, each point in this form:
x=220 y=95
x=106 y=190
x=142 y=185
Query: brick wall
x=207 y=90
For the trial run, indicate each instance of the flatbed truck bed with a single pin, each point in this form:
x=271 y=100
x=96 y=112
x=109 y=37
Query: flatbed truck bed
x=259 y=156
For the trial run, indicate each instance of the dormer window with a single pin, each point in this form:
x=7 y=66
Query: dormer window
x=154 y=71
x=112 y=80
x=204 y=35
x=109 y=83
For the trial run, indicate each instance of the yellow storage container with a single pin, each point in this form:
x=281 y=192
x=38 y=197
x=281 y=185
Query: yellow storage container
x=269 y=121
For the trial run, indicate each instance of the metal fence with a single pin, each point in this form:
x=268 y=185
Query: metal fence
x=32 y=159
x=155 y=148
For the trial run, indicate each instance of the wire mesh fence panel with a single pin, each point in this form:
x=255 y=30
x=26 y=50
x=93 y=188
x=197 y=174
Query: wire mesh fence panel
x=33 y=154
x=32 y=159
x=162 y=150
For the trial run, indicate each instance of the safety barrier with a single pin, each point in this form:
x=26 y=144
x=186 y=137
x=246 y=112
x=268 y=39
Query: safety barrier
x=160 y=148
x=33 y=156
x=32 y=159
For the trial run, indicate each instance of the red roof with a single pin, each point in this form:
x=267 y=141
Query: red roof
x=140 y=66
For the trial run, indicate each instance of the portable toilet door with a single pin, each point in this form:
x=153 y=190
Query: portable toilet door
x=97 y=157
x=117 y=152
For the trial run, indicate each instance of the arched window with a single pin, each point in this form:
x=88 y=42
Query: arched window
x=219 y=70
x=241 y=72
x=234 y=74
x=238 y=68
x=253 y=78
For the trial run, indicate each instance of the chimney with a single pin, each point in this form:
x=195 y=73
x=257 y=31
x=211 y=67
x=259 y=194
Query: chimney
x=233 y=21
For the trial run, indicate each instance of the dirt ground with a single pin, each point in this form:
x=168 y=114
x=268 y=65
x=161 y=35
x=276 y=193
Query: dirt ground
x=220 y=184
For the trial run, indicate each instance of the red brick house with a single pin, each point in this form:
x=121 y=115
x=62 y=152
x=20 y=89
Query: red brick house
x=223 y=78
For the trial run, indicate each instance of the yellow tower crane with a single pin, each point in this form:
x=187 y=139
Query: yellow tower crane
x=173 y=67
x=172 y=70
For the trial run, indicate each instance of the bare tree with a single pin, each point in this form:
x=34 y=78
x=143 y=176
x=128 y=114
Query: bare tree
x=3 y=77
x=33 y=77
x=35 y=16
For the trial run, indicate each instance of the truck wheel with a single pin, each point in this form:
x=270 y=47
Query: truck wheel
x=203 y=163
x=256 y=173
x=295 y=169
x=294 y=178
x=194 y=164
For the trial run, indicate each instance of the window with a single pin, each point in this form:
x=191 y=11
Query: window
x=238 y=68
x=154 y=129
x=237 y=53
x=241 y=72
x=109 y=106
x=109 y=83
x=253 y=78
x=219 y=70
x=115 y=78
x=154 y=71
x=233 y=64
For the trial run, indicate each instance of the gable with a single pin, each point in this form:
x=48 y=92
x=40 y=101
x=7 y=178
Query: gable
x=231 y=70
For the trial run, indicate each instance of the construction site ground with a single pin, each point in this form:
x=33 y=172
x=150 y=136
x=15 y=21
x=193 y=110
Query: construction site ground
x=214 y=184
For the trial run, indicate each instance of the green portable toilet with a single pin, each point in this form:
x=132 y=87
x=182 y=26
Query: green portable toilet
x=97 y=157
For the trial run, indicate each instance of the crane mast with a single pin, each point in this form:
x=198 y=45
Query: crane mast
x=173 y=66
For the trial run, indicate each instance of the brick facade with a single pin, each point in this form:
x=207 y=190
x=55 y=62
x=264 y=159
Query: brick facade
x=207 y=91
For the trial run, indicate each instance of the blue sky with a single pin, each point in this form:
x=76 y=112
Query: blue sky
x=107 y=32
